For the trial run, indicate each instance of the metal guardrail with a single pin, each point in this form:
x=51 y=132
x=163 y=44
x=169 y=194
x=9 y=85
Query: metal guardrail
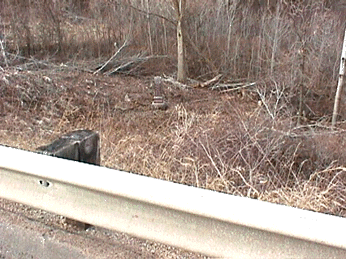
x=199 y=220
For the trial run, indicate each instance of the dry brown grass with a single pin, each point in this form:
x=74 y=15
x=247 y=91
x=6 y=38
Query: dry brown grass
x=205 y=139
x=220 y=141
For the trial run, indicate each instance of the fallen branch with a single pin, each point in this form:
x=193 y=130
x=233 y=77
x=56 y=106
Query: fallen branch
x=32 y=61
x=132 y=62
x=210 y=82
x=175 y=82
x=121 y=67
x=232 y=87
x=51 y=65
x=111 y=58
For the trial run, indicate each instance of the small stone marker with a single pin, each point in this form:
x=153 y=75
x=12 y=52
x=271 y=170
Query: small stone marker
x=80 y=145
x=158 y=102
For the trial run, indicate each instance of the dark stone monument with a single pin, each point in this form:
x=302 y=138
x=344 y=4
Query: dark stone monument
x=79 y=145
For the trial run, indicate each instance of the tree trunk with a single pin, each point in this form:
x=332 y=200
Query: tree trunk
x=276 y=37
x=181 y=75
x=340 y=82
x=149 y=28
x=179 y=6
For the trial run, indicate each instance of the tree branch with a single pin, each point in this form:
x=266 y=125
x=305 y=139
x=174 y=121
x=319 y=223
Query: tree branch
x=150 y=13
x=112 y=57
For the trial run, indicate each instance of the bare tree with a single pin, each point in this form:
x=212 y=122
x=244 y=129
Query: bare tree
x=340 y=82
x=179 y=6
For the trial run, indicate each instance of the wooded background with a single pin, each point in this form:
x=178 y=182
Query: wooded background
x=293 y=45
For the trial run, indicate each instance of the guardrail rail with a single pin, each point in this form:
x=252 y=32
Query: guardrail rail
x=194 y=219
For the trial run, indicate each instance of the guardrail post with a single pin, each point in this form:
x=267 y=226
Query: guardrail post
x=79 y=145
